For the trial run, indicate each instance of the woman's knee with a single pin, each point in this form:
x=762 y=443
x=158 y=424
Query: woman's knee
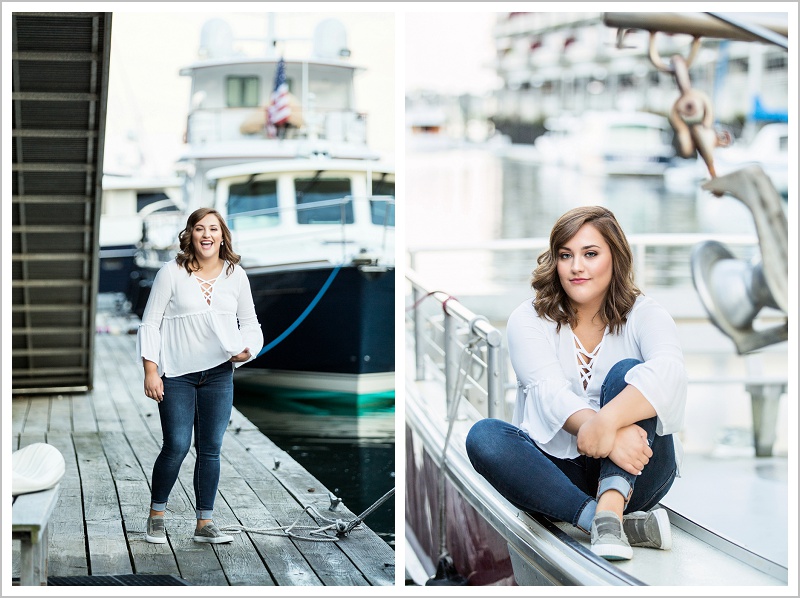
x=614 y=382
x=175 y=448
x=482 y=436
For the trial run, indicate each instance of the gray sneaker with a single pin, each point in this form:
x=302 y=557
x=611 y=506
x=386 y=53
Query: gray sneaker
x=210 y=533
x=156 y=532
x=608 y=539
x=648 y=529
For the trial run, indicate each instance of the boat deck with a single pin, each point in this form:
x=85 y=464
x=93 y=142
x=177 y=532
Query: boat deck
x=110 y=438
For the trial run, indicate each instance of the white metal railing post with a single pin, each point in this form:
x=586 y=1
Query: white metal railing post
x=419 y=353
x=417 y=294
x=451 y=360
x=495 y=381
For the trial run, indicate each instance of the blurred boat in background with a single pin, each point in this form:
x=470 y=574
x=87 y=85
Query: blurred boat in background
x=768 y=148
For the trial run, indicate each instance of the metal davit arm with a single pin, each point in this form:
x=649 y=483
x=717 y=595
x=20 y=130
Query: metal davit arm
x=697 y=24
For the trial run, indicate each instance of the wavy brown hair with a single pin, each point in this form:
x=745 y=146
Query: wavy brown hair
x=552 y=301
x=186 y=256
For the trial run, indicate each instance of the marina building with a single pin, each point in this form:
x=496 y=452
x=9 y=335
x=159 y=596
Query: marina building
x=552 y=63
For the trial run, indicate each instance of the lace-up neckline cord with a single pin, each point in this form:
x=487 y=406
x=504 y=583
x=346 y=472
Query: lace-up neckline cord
x=585 y=360
x=207 y=286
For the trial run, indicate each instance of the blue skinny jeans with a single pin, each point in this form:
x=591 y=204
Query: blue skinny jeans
x=198 y=403
x=566 y=489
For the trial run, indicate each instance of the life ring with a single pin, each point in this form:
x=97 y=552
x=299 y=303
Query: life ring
x=36 y=467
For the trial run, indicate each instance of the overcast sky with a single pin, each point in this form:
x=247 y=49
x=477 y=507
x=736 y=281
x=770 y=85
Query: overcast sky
x=450 y=52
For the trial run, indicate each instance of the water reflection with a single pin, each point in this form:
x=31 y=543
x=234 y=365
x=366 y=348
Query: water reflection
x=468 y=196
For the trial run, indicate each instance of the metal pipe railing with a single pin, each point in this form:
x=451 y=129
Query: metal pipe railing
x=713 y=25
x=456 y=317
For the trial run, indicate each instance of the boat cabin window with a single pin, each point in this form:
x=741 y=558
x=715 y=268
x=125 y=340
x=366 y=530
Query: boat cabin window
x=633 y=136
x=253 y=204
x=323 y=201
x=382 y=202
x=241 y=91
x=330 y=88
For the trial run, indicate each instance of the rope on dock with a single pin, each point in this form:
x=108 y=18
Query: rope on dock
x=318 y=533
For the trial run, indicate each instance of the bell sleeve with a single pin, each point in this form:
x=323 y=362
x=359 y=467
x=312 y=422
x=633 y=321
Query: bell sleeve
x=662 y=378
x=148 y=338
x=545 y=399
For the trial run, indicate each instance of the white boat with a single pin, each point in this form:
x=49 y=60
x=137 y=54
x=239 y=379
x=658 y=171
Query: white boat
x=608 y=143
x=429 y=124
x=127 y=202
x=767 y=148
x=311 y=210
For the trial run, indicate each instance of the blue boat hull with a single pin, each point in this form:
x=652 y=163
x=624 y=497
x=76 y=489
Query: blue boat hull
x=349 y=331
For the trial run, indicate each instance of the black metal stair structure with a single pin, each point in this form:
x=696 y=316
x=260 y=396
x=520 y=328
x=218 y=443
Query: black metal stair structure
x=60 y=66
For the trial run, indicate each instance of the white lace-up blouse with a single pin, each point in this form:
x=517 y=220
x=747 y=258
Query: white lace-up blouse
x=191 y=324
x=557 y=377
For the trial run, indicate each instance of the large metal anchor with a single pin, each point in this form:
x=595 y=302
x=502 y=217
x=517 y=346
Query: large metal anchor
x=734 y=291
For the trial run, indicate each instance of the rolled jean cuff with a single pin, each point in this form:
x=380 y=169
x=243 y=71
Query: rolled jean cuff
x=587 y=516
x=618 y=483
x=204 y=513
x=158 y=506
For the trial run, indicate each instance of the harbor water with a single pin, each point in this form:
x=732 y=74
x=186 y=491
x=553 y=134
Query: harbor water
x=349 y=449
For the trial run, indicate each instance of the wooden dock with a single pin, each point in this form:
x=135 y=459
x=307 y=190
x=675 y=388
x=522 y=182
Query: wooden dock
x=110 y=438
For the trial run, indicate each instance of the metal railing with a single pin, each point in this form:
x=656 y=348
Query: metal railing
x=460 y=345
x=212 y=125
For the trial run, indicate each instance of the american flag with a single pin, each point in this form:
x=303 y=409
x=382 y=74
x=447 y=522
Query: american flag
x=279 y=110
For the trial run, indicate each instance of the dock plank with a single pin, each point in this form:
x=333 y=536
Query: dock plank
x=83 y=415
x=308 y=491
x=19 y=412
x=38 y=418
x=108 y=548
x=67 y=534
x=110 y=438
x=60 y=414
x=285 y=562
x=375 y=557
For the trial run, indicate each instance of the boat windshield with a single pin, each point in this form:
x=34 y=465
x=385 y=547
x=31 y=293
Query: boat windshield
x=635 y=136
x=382 y=201
x=318 y=199
x=253 y=205
x=323 y=201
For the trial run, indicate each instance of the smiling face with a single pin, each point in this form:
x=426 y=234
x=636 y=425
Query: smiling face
x=585 y=267
x=206 y=238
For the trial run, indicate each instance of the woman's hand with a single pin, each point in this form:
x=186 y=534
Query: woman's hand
x=154 y=386
x=596 y=437
x=631 y=451
x=243 y=356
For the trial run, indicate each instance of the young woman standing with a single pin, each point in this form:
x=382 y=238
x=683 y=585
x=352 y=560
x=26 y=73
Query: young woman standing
x=198 y=326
